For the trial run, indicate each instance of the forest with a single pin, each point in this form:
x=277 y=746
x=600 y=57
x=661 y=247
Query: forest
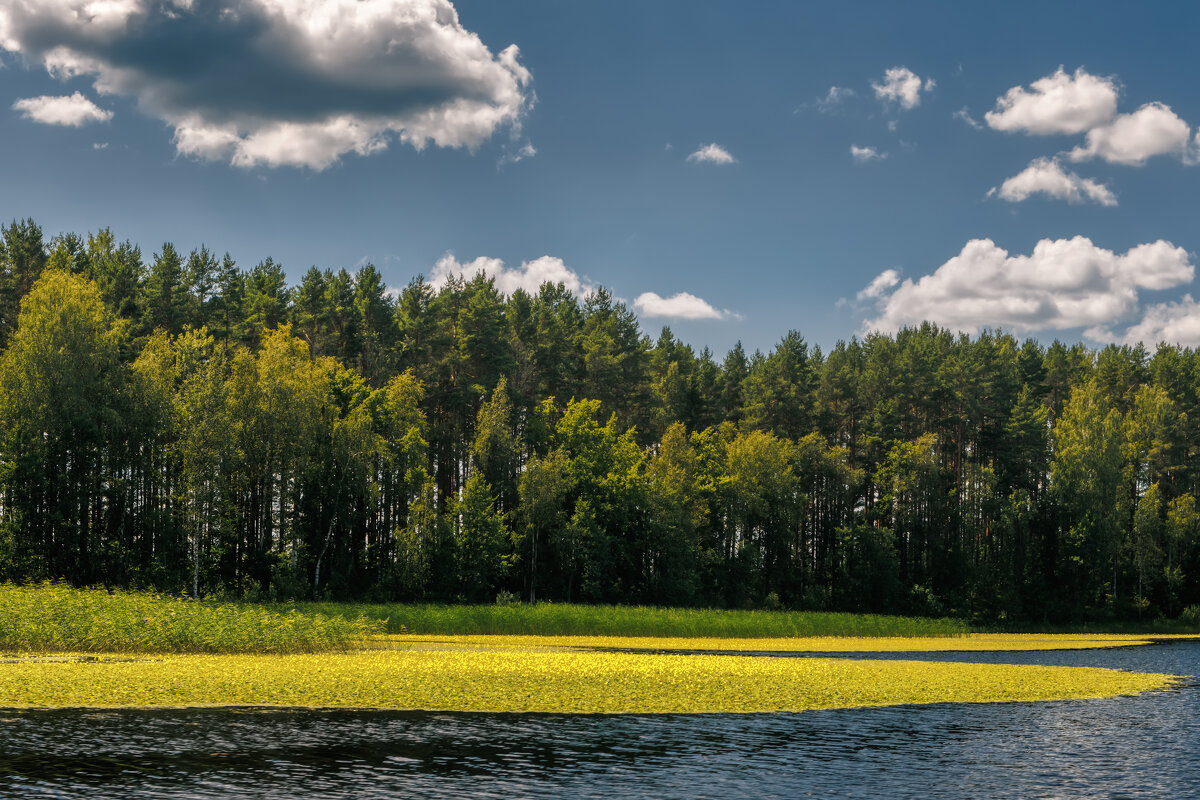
x=181 y=423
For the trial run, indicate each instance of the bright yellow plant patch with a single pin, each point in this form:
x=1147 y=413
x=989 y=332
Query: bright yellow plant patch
x=546 y=680
x=812 y=644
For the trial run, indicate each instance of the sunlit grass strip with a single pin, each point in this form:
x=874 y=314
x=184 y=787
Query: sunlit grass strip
x=559 y=619
x=973 y=642
x=52 y=617
x=560 y=682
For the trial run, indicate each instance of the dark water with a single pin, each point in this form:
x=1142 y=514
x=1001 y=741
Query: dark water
x=1147 y=746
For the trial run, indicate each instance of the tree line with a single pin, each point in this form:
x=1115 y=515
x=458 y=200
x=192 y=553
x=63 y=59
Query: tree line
x=179 y=422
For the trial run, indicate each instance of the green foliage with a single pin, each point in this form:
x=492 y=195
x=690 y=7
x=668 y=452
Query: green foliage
x=22 y=258
x=870 y=575
x=1086 y=479
x=62 y=388
x=50 y=617
x=198 y=428
x=566 y=619
x=1191 y=617
x=482 y=545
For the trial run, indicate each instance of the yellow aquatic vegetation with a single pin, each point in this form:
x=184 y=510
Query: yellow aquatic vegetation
x=520 y=680
x=813 y=644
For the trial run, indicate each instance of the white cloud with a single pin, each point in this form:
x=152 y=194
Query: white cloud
x=880 y=284
x=1058 y=104
x=902 y=86
x=1152 y=130
x=1173 y=323
x=678 y=306
x=834 y=98
x=530 y=275
x=1046 y=176
x=964 y=114
x=1063 y=284
x=712 y=154
x=283 y=82
x=865 y=154
x=73 y=111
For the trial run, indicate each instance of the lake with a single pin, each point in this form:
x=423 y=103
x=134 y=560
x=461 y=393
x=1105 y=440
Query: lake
x=1131 y=747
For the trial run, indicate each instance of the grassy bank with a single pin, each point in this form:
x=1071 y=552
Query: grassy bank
x=559 y=619
x=52 y=617
x=537 y=680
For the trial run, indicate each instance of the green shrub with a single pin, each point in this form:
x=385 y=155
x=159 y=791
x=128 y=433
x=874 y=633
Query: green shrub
x=1191 y=616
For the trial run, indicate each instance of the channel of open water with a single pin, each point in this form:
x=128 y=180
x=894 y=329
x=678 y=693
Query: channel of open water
x=1132 y=747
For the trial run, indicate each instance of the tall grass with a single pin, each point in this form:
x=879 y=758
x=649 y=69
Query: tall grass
x=556 y=619
x=52 y=617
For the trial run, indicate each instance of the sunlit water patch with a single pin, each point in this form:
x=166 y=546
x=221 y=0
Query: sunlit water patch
x=1128 y=747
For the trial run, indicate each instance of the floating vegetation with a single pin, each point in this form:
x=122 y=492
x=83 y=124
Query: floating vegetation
x=52 y=617
x=564 y=619
x=70 y=658
x=973 y=642
x=520 y=680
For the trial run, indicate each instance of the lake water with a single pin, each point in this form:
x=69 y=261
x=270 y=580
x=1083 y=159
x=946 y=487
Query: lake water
x=1132 y=747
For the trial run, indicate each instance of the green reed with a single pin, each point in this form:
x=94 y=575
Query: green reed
x=53 y=617
x=559 y=619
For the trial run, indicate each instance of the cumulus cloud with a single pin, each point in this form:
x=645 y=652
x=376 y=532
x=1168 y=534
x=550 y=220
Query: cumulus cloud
x=1173 y=323
x=1152 y=130
x=283 y=82
x=1056 y=104
x=865 y=154
x=73 y=110
x=678 y=306
x=711 y=154
x=1063 y=284
x=901 y=85
x=1046 y=176
x=530 y=275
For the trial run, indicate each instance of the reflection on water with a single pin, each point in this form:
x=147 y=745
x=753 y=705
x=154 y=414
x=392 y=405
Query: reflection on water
x=1127 y=747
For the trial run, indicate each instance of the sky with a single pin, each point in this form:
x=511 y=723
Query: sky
x=731 y=170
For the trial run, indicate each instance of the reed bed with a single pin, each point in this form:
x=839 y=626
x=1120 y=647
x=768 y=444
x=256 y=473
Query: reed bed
x=559 y=619
x=53 y=617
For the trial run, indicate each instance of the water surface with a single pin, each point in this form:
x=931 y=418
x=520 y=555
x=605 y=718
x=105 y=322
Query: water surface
x=1131 y=747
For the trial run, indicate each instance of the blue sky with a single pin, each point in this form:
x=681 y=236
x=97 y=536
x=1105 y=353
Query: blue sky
x=285 y=128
